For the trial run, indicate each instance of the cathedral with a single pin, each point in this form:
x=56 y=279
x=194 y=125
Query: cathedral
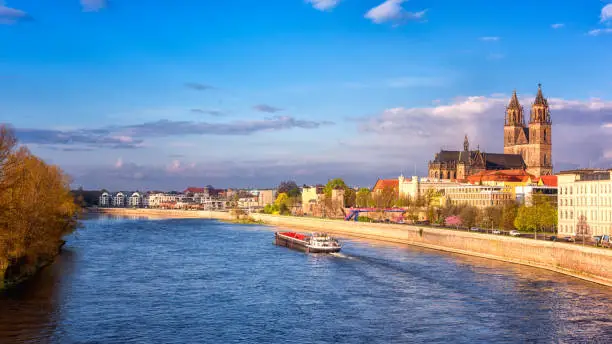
x=526 y=147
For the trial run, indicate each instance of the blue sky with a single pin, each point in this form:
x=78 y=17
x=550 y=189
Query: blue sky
x=163 y=94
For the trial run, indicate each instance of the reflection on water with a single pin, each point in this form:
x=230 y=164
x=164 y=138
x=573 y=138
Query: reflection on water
x=202 y=281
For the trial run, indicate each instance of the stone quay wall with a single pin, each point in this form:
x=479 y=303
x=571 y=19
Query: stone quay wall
x=589 y=263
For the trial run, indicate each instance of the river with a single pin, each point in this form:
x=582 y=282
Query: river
x=203 y=281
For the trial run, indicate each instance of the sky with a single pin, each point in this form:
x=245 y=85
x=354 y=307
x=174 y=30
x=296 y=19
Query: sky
x=168 y=94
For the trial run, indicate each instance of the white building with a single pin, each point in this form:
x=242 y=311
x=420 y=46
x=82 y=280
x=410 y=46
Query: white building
x=524 y=194
x=105 y=200
x=119 y=200
x=585 y=202
x=417 y=187
x=135 y=201
x=158 y=200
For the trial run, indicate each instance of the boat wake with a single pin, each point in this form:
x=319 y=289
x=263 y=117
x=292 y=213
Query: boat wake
x=341 y=255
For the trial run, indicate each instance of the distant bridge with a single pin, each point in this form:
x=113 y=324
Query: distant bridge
x=354 y=212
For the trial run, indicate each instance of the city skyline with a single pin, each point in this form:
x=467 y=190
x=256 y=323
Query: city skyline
x=132 y=95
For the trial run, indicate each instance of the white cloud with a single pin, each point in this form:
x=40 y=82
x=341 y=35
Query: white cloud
x=119 y=163
x=323 y=5
x=606 y=13
x=557 y=25
x=392 y=11
x=597 y=32
x=489 y=39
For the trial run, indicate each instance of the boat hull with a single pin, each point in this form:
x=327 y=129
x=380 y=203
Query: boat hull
x=302 y=245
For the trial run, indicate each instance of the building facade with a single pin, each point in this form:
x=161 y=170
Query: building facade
x=534 y=141
x=458 y=165
x=585 y=202
x=479 y=196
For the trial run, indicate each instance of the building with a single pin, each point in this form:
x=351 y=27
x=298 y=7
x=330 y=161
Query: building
x=416 y=187
x=135 y=200
x=479 y=196
x=311 y=197
x=585 y=202
x=458 y=165
x=386 y=185
x=526 y=147
x=524 y=194
x=105 y=200
x=118 y=200
x=534 y=141
x=266 y=197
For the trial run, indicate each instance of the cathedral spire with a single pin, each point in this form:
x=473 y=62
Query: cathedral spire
x=514 y=112
x=540 y=100
x=466 y=144
x=514 y=102
x=540 y=112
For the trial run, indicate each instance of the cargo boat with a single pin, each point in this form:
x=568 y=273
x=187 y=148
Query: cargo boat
x=314 y=243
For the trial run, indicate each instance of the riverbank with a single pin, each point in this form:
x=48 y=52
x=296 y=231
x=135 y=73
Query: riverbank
x=588 y=263
x=20 y=270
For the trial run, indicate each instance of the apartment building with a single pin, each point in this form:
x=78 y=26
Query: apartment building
x=585 y=202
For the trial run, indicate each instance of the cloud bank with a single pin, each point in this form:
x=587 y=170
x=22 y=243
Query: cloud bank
x=133 y=136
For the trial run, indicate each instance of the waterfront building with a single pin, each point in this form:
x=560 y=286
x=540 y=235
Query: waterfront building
x=311 y=197
x=480 y=196
x=135 y=200
x=266 y=197
x=585 y=202
x=416 y=187
x=118 y=200
x=105 y=200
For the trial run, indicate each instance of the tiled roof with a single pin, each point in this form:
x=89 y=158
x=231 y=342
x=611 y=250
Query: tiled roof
x=381 y=184
x=549 y=180
x=195 y=190
x=514 y=175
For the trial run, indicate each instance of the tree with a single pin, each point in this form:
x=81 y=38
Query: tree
x=333 y=184
x=526 y=219
x=385 y=198
x=490 y=217
x=468 y=216
x=36 y=206
x=350 y=197
x=363 y=197
x=290 y=188
x=281 y=203
x=509 y=213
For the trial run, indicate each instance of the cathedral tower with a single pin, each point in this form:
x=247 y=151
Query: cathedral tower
x=533 y=142
x=539 y=159
x=515 y=132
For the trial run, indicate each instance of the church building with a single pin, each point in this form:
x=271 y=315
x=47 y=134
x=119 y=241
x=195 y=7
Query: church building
x=525 y=147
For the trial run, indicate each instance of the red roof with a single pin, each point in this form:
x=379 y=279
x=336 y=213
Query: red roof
x=382 y=184
x=549 y=180
x=195 y=190
x=500 y=176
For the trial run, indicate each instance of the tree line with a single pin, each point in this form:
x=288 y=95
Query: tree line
x=36 y=208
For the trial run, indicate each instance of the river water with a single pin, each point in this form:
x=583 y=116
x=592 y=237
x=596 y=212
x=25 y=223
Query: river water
x=203 y=281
